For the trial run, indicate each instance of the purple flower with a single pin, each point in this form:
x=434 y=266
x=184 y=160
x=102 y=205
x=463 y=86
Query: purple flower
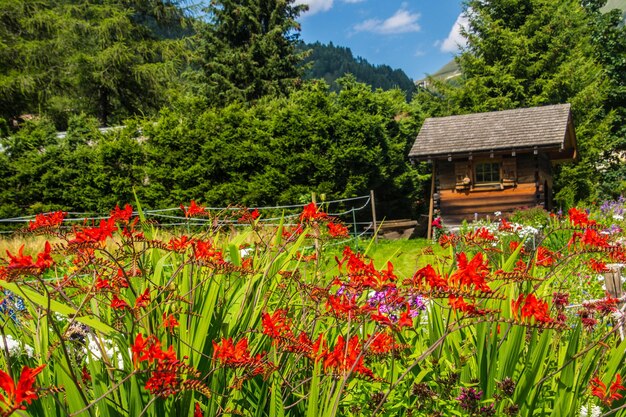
x=469 y=398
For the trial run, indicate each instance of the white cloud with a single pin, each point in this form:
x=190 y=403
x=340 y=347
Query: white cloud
x=316 y=6
x=402 y=21
x=455 y=40
x=353 y=1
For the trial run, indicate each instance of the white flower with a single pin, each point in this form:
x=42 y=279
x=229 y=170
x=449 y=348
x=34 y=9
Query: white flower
x=596 y=411
x=15 y=347
x=583 y=411
x=110 y=351
x=618 y=217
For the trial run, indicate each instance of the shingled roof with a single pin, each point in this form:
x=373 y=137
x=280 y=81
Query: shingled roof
x=547 y=127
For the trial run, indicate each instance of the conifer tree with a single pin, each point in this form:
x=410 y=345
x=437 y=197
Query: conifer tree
x=250 y=49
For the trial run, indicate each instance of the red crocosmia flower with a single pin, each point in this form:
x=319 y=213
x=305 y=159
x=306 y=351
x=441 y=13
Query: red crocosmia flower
x=513 y=245
x=531 y=307
x=102 y=283
x=169 y=322
x=505 y=226
x=579 y=218
x=480 y=235
x=96 y=234
x=47 y=220
x=433 y=279
x=345 y=358
x=205 y=251
x=471 y=273
x=123 y=215
x=179 y=244
x=545 y=257
x=597 y=266
x=44 y=260
x=20 y=260
x=249 y=216
x=405 y=319
x=381 y=344
x=238 y=356
x=598 y=389
x=448 y=240
x=337 y=230
x=15 y=395
x=592 y=238
x=138 y=348
x=193 y=209
x=276 y=325
x=197 y=412
x=459 y=304
x=311 y=213
x=143 y=300
x=118 y=304
x=381 y=318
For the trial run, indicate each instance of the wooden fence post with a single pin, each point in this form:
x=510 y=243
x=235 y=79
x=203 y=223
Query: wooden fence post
x=374 y=223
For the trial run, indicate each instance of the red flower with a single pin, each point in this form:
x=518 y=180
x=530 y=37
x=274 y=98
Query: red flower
x=179 y=244
x=471 y=273
x=249 y=217
x=405 y=319
x=337 y=230
x=597 y=266
x=47 y=220
x=118 y=304
x=193 y=209
x=169 y=322
x=20 y=260
x=310 y=213
x=433 y=279
x=143 y=300
x=345 y=358
x=96 y=234
x=138 y=348
x=598 y=389
x=44 y=260
x=123 y=215
x=16 y=395
x=505 y=226
x=579 y=218
x=204 y=251
x=382 y=343
x=458 y=303
x=545 y=257
x=276 y=325
x=197 y=412
x=513 y=245
x=591 y=237
x=531 y=307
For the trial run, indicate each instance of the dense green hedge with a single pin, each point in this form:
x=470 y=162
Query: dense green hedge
x=277 y=151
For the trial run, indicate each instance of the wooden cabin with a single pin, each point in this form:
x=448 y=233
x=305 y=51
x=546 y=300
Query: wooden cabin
x=495 y=161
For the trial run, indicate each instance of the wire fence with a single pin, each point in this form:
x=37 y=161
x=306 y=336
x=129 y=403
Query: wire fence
x=354 y=212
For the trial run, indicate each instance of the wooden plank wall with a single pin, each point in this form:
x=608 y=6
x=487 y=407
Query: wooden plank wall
x=532 y=171
x=458 y=206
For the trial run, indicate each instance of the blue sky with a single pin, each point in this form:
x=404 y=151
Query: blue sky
x=417 y=36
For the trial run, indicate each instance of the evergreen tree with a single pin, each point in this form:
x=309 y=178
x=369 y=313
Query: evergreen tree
x=110 y=59
x=249 y=49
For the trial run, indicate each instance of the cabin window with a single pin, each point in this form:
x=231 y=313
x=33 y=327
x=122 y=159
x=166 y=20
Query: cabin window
x=487 y=172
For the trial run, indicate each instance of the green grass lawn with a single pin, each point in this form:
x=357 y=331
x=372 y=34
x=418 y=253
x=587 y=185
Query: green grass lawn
x=406 y=255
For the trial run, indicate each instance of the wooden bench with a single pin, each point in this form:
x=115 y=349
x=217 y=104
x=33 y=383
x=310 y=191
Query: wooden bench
x=395 y=229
